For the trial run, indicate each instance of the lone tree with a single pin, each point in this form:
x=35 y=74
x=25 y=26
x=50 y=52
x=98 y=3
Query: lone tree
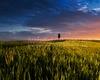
x=59 y=35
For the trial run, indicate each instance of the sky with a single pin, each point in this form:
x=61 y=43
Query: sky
x=44 y=19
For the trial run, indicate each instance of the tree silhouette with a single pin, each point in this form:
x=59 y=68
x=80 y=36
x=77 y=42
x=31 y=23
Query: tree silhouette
x=59 y=36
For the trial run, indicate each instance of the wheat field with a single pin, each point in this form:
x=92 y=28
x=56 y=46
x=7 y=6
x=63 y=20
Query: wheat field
x=50 y=60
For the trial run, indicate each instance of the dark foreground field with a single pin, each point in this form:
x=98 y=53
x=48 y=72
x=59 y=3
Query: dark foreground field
x=55 y=60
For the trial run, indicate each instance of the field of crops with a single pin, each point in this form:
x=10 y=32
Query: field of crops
x=54 y=60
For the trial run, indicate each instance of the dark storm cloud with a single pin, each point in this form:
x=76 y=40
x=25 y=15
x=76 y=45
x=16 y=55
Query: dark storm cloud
x=61 y=22
x=18 y=7
x=55 y=17
x=22 y=35
x=4 y=36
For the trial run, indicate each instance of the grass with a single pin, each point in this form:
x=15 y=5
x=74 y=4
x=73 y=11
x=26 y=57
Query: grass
x=52 y=60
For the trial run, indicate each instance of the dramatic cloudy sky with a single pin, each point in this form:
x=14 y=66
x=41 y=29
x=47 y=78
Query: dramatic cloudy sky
x=44 y=19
